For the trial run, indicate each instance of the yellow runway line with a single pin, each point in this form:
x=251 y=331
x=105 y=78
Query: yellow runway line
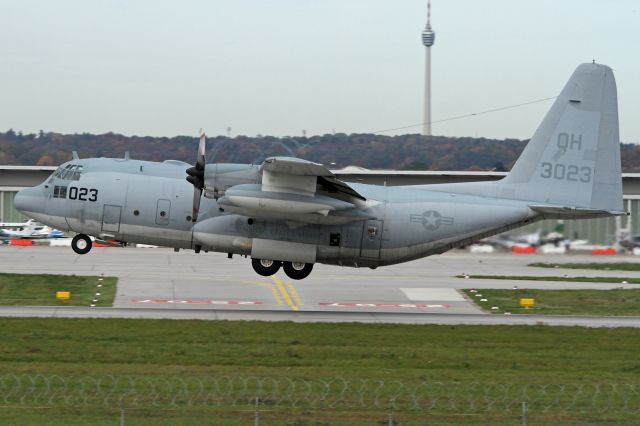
x=284 y=293
x=274 y=290
x=271 y=287
x=294 y=294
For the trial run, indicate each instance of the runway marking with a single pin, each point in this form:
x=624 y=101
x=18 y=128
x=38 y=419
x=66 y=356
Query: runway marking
x=198 y=302
x=286 y=296
x=271 y=287
x=382 y=305
x=294 y=293
x=432 y=294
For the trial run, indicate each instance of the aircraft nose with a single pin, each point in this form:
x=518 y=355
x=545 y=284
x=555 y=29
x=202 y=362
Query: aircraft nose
x=29 y=200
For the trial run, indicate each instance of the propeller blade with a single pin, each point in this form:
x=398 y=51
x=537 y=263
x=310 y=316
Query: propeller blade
x=196 y=175
x=200 y=160
x=197 y=196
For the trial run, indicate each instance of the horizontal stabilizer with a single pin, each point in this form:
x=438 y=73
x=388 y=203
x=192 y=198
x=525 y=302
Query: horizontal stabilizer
x=562 y=212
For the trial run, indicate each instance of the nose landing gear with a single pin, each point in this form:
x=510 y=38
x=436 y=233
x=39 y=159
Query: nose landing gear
x=81 y=244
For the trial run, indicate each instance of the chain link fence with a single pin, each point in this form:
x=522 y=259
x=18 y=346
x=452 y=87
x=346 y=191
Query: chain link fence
x=314 y=394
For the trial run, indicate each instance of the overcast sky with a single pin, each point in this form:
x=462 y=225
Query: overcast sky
x=279 y=67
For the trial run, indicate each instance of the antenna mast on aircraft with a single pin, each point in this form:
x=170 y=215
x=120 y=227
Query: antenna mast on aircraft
x=428 y=38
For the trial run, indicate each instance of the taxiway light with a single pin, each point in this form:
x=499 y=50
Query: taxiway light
x=63 y=295
x=527 y=302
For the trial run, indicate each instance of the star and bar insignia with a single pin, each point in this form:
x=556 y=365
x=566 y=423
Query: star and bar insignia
x=431 y=220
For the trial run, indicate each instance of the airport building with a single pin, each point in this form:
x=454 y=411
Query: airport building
x=597 y=231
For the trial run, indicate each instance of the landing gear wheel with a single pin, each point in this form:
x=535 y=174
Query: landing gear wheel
x=81 y=244
x=297 y=270
x=265 y=267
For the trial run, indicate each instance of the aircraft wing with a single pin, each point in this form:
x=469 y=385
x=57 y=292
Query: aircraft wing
x=298 y=191
x=284 y=169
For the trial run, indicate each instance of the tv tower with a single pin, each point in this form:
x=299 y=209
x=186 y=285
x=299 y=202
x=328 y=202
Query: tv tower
x=428 y=38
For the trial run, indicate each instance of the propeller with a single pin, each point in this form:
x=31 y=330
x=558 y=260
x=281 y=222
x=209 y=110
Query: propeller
x=196 y=176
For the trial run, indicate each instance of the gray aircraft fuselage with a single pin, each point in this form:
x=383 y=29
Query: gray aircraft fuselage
x=151 y=203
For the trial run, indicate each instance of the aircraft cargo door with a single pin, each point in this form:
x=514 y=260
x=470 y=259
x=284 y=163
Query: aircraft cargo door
x=162 y=212
x=371 y=239
x=111 y=218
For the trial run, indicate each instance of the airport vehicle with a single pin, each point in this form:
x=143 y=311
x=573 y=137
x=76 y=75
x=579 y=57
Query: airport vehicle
x=292 y=213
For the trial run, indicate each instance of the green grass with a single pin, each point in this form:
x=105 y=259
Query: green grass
x=563 y=279
x=376 y=351
x=40 y=290
x=411 y=354
x=53 y=416
x=618 y=302
x=615 y=266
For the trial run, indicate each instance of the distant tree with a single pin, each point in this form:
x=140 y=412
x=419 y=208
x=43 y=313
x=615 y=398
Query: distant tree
x=45 y=160
x=499 y=167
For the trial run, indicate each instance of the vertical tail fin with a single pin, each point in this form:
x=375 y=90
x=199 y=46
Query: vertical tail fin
x=573 y=159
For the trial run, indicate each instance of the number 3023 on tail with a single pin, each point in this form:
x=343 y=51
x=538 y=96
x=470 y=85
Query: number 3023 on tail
x=568 y=172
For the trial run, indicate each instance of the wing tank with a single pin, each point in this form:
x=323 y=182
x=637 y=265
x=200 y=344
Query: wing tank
x=254 y=201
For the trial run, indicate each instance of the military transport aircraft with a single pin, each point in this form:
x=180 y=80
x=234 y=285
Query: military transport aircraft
x=292 y=213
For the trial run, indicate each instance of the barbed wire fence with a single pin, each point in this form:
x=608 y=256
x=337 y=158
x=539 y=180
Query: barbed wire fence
x=332 y=394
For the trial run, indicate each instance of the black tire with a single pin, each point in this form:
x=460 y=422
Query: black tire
x=297 y=270
x=265 y=267
x=81 y=244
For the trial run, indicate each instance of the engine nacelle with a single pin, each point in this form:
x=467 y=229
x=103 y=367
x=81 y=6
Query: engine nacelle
x=218 y=177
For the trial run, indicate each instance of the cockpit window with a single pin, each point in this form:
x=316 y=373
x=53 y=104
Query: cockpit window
x=69 y=172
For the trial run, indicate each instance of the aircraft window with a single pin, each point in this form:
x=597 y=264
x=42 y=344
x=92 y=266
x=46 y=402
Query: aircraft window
x=60 y=192
x=70 y=172
x=66 y=172
x=77 y=172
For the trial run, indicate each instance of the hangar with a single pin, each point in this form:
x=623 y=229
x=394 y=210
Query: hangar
x=598 y=231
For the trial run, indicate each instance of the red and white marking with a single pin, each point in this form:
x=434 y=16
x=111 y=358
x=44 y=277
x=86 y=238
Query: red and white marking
x=384 y=305
x=197 y=302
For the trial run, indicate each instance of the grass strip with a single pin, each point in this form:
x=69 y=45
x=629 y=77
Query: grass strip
x=411 y=353
x=620 y=280
x=40 y=290
x=479 y=365
x=616 y=302
x=98 y=416
x=615 y=266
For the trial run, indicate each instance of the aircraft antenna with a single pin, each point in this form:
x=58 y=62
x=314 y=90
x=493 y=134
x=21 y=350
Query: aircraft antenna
x=428 y=38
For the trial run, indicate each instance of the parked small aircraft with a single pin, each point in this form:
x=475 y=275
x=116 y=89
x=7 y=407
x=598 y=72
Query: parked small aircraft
x=537 y=238
x=293 y=213
x=29 y=229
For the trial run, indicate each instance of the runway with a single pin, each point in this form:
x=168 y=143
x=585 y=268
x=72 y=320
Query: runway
x=159 y=283
x=318 y=316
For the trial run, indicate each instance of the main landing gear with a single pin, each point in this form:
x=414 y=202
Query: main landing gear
x=81 y=244
x=265 y=267
x=294 y=270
